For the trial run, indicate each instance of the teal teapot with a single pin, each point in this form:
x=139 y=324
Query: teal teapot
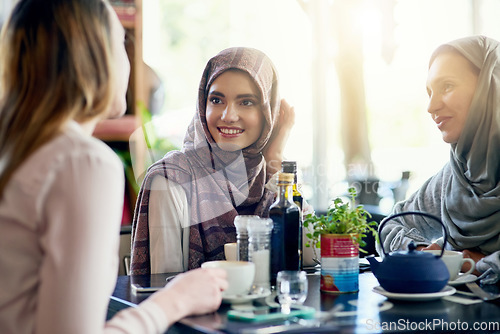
x=411 y=271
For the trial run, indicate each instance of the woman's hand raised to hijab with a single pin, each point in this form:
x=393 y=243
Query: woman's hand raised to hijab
x=273 y=152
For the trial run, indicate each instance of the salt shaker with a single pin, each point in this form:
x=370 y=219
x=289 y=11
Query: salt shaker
x=241 y=223
x=259 y=252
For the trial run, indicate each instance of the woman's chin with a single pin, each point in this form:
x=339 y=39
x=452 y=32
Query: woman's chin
x=229 y=147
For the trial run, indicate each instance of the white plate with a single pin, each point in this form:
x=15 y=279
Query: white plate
x=447 y=290
x=239 y=299
x=462 y=279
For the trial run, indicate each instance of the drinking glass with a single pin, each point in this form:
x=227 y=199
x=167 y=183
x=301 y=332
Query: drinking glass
x=291 y=287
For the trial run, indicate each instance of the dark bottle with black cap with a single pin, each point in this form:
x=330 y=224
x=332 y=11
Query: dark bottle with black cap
x=290 y=166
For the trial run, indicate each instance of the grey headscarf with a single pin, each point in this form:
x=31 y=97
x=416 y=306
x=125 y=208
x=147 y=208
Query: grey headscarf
x=465 y=194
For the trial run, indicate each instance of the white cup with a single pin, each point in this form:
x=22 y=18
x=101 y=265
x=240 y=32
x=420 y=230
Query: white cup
x=454 y=261
x=231 y=251
x=240 y=276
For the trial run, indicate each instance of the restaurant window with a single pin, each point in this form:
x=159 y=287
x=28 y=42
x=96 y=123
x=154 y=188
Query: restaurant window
x=395 y=41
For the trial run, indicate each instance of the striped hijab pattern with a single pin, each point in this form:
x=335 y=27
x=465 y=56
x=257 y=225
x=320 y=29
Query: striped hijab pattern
x=218 y=184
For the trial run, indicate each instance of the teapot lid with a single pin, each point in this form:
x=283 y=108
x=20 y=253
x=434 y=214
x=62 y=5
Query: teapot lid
x=412 y=252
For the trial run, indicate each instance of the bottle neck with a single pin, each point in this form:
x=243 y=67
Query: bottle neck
x=286 y=192
x=295 y=188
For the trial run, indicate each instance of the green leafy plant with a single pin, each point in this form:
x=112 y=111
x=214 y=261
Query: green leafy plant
x=341 y=218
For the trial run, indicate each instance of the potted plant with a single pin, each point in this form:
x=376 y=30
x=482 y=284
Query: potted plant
x=339 y=235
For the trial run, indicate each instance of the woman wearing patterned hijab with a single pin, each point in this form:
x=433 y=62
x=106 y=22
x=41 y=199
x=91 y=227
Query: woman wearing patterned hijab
x=464 y=91
x=188 y=200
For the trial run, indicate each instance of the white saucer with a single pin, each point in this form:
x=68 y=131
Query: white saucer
x=239 y=299
x=462 y=279
x=447 y=290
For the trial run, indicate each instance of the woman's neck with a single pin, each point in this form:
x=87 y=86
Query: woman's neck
x=89 y=126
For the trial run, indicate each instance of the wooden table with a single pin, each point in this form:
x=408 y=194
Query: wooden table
x=362 y=312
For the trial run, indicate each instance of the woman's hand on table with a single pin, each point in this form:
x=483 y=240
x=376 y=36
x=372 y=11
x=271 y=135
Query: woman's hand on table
x=476 y=256
x=467 y=253
x=430 y=247
x=194 y=292
x=273 y=152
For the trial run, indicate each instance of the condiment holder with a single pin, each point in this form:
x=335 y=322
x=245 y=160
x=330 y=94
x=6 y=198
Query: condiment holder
x=259 y=252
x=241 y=223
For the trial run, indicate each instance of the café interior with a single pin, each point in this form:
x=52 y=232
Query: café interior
x=355 y=72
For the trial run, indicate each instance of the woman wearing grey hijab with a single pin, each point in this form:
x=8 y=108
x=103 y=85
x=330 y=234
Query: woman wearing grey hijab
x=464 y=100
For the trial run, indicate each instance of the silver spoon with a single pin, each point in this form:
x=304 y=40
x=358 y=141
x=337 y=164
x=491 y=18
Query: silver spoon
x=486 y=296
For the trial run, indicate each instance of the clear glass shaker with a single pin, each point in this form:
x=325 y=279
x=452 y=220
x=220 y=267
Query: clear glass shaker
x=259 y=252
x=241 y=223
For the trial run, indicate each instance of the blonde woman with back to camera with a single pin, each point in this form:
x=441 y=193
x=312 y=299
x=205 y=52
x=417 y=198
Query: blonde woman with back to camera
x=64 y=68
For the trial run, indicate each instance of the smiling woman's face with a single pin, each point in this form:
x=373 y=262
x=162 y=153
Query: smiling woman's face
x=234 y=115
x=451 y=84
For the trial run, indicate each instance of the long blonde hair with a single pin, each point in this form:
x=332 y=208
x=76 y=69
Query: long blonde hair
x=55 y=66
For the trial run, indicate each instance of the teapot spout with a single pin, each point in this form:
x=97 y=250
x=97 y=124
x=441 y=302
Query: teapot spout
x=374 y=263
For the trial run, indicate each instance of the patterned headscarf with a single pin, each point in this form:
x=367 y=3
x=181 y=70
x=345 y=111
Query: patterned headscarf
x=218 y=184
